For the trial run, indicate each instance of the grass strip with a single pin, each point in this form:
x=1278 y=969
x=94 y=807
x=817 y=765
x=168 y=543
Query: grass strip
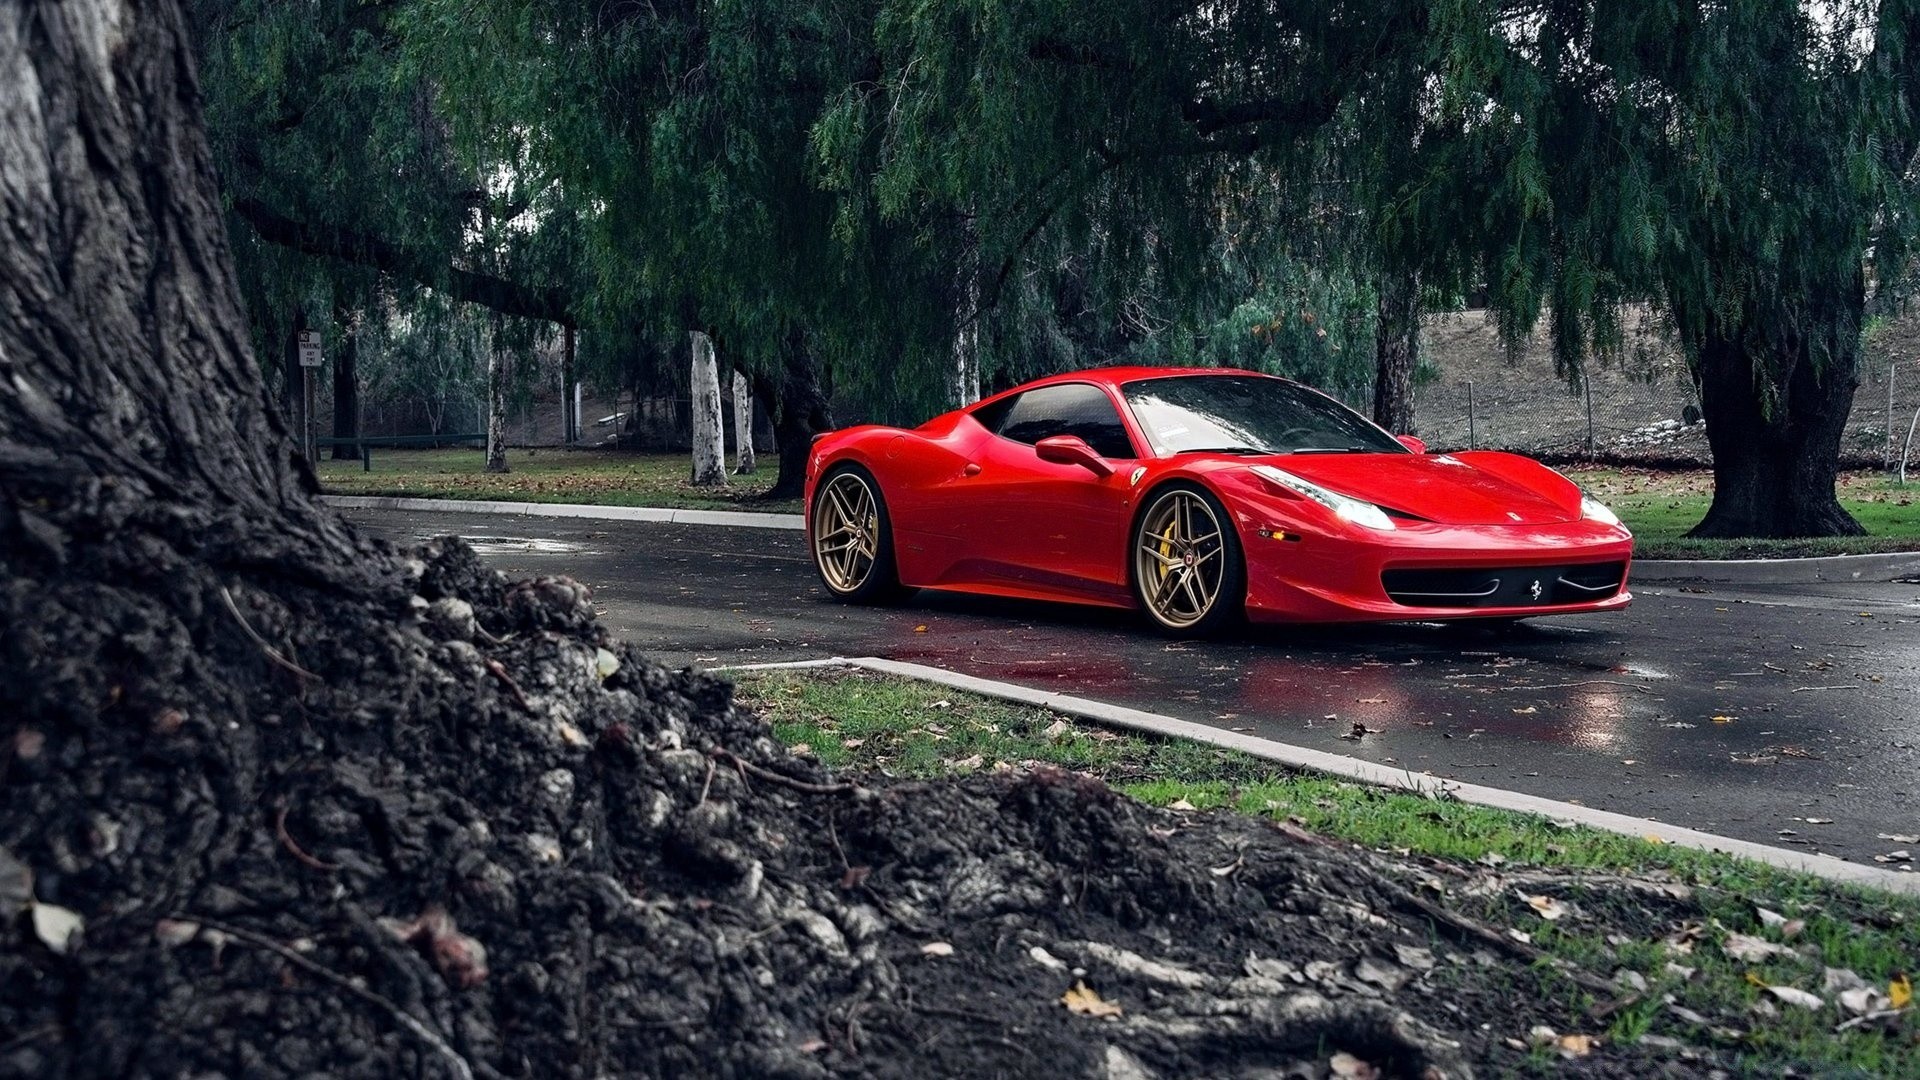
x=1661 y=505
x=592 y=477
x=861 y=722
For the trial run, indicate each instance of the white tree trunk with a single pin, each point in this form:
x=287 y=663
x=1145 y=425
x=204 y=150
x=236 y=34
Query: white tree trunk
x=966 y=333
x=496 y=404
x=709 y=441
x=742 y=425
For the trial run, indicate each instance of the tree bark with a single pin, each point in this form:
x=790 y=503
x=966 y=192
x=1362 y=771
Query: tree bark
x=346 y=384
x=709 y=440
x=569 y=411
x=293 y=400
x=966 y=325
x=496 y=400
x=802 y=414
x=1396 y=353
x=742 y=425
x=1776 y=392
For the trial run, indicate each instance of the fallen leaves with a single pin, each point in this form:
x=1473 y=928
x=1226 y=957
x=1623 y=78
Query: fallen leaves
x=1752 y=949
x=1789 y=928
x=1568 y=1046
x=1795 y=996
x=605 y=664
x=1082 y=1000
x=56 y=926
x=1547 y=908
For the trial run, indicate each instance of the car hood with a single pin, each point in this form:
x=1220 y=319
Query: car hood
x=1463 y=489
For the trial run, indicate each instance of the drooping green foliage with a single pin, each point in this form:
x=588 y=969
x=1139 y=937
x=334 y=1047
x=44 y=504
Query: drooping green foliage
x=838 y=190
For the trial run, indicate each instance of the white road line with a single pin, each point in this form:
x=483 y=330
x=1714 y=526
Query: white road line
x=1119 y=716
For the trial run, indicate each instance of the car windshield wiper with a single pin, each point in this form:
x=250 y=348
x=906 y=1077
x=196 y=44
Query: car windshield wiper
x=1227 y=450
x=1334 y=450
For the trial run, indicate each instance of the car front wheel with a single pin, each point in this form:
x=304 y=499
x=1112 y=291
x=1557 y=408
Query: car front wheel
x=1188 y=574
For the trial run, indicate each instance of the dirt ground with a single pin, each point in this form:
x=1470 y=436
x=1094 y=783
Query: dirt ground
x=1639 y=398
x=453 y=830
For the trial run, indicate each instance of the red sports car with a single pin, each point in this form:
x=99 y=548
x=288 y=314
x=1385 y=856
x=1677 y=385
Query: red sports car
x=1200 y=495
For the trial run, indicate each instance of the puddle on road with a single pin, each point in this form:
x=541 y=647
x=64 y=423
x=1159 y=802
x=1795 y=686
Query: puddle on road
x=522 y=545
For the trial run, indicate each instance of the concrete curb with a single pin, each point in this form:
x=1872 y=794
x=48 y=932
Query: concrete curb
x=736 y=518
x=1892 y=566
x=1889 y=567
x=1366 y=772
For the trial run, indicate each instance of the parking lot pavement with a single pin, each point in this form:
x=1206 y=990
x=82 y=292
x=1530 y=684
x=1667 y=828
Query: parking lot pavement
x=1786 y=715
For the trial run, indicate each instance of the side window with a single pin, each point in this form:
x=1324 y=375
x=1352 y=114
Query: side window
x=990 y=416
x=1069 y=409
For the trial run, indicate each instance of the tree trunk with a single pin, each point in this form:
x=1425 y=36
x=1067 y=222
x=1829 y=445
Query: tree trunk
x=802 y=414
x=293 y=382
x=966 y=325
x=1396 y=353
x=709 y=439
x=496 y=400
x=1776 y=404
x=569 y=408
x=742 y=425
x=346 y=384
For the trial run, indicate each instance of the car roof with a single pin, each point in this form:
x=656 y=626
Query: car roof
x=1115 y=376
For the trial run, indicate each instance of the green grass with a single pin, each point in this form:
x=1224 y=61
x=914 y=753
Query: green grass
x=599 y=477
x=860 y=722
x=1661 y=505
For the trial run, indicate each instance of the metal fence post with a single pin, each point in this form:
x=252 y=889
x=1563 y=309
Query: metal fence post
x=1586 y=385
x=1892 y=366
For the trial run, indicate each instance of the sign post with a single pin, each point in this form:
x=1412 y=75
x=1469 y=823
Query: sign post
x=309 y=359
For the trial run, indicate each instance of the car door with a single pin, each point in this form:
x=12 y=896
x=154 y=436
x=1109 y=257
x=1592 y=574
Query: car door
x=1046 y=528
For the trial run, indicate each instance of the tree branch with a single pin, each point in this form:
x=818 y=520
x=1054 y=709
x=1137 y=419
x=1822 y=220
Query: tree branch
x=549 y=303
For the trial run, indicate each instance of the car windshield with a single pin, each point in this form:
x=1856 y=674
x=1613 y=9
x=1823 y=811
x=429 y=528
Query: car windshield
x=1249 y=414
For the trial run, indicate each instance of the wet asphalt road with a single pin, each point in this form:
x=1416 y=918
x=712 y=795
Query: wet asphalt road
x=1754 y=712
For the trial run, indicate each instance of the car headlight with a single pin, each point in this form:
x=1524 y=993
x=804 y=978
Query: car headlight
x=1594 y=510
x=1344 y=507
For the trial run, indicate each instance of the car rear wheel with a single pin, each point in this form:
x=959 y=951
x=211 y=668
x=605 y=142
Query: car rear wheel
x=853 y=538
x=1188 y=574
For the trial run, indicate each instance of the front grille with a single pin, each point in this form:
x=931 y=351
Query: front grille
x=1504 y=586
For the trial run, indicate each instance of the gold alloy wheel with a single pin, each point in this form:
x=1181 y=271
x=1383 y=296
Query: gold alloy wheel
x=1179 y=558
x=846 y=532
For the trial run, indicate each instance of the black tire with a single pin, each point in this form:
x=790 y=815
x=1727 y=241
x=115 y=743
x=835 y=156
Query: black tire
x=1171 y=615
x=878 y=582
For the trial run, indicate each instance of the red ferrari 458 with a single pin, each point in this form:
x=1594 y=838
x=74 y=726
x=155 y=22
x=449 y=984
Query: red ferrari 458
x=1199 y=496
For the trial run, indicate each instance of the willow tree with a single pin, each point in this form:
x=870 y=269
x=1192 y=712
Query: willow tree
x=1741 y=164
x=1113 y=143
x=686 y=129
x=334 y=149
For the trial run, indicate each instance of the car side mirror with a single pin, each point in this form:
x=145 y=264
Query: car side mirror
x=1413 y=442
x=1072 y=450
